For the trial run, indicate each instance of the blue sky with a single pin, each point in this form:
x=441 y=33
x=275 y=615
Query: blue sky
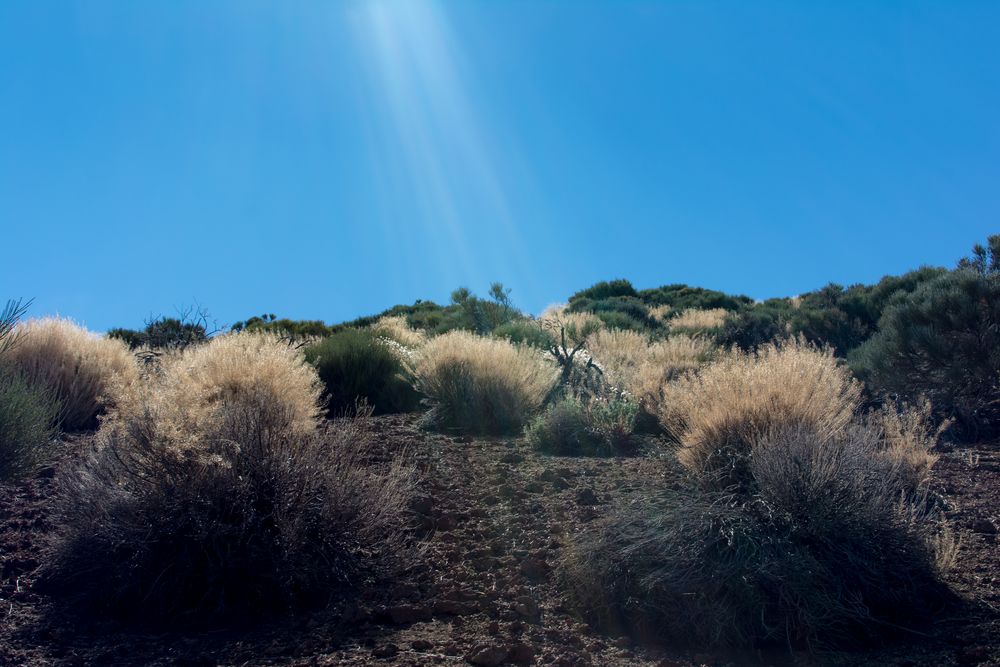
x=329 y=159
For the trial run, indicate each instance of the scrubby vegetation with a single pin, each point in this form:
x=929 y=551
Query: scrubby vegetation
x=792 y=442
x=481 y=385
x=27 y=413
x=357 y=365
x=941 y=341
x=210 y=493
x=795 y=521
x=73 y=365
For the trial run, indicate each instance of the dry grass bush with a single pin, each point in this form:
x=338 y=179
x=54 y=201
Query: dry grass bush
x=190 y=386
x=396 y=328
x=823 y=549
x=907 y=436
x=577 y=325
x=719 y=413
x=639 y=366
x=75 y=366
x=695 y=319
x=210 y=494
x=483 y=385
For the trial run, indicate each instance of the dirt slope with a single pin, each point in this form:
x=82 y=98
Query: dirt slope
x=490 y=521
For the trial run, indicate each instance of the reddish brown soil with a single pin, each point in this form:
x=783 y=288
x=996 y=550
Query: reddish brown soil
x=490 y=522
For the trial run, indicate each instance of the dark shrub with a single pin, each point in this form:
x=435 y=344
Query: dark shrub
x=572 y=427
x=243 y=520
x=681 y=297
x=752 y=328
x=618 y=320
x=941 y=341
x=357 y=364
x=27 y=424
x=605 y=290
x=820 y=551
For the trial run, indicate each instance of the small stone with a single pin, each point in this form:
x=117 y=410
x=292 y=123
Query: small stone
x=526 y=606
x=486 y=655
x=405 y=614
x=534 y=568
x=521 y=654
x=421 y=645
x=422 y=504
x=511 y=457
x=385 y=652
x=586 y=496
x=984 y=527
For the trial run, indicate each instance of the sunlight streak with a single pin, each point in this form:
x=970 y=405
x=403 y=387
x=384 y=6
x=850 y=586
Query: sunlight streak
x=415 y=66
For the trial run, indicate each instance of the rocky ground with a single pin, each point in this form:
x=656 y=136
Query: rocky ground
x=490 y=521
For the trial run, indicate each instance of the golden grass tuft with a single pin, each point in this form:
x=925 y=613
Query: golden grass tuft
x=641 y=368
x=482 y=384
x=695 y=319
x=396 y=328
x=721 y=412
x=77 y=367
x=188 y=394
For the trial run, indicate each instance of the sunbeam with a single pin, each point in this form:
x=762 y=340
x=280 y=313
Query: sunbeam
x=416 y=69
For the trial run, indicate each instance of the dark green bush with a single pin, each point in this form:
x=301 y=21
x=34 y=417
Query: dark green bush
x=605 y=290
x=28 y=415
x=356 y=364
x=681 y=297
x=754 y=327
x=820 y=551
x=941 y=341
x=292 y=329
x=526 y=332
x=618 y=320
x=163 y=333
x=572 y=427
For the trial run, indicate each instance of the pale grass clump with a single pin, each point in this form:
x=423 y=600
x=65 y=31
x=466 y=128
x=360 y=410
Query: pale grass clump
x=576 y=325
x=722 y=412
x=620 y=353
x=482 y=384
x=187 y=394
x=75 y=366
x=696 y=319
x=907 y=438
x=660 y=313
x=664 y=361
x=395 y=327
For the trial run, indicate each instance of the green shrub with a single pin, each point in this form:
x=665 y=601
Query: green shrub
x=605 y=290
x=619 y=320
x=526 y=332
x=27 y=424
x=682 y=297
x=572 y=427
x=752 y=328
x=823 y=549
x=357 y=364
x=941 y=341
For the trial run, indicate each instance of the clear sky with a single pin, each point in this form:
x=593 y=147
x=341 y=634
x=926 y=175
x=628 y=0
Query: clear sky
x=329 y=159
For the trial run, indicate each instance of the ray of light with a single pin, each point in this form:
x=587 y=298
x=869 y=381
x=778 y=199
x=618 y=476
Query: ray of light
x=416 y=67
